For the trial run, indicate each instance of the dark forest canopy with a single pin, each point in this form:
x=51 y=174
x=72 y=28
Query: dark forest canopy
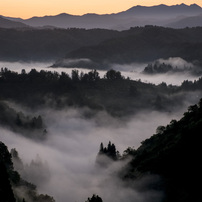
x=47 y=44
x=94 y=198
x=109 y=151
x=17 y=121
x=51 y=89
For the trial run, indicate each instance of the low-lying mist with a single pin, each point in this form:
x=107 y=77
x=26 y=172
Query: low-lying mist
x=64 y=165
x=133 y=71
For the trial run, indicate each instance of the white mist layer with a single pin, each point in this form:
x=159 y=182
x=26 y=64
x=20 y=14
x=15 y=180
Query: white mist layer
x=133 y=71
x=65 y=163
x=176 y=62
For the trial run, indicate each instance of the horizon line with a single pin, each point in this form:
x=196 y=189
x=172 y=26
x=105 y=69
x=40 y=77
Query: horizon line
x=92 y=13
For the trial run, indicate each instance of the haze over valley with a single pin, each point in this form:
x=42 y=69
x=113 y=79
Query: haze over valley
x=102 y=108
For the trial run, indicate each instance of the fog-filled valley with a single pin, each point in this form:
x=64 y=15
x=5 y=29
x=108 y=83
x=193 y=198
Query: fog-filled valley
x=101 y=115
x=64 y=164
x=58 y=152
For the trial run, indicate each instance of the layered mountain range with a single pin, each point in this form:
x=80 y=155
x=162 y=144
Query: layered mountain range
x=140 y=45
x=140 y=34
x=176 y=16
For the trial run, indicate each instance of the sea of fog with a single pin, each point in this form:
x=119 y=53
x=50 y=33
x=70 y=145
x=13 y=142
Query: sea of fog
x=133 y=71
x=63 y=165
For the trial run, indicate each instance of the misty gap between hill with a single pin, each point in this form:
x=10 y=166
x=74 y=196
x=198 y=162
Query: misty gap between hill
x=64 y=165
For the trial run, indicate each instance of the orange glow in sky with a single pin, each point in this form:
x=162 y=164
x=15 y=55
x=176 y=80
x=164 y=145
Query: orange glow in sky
x=29 y=8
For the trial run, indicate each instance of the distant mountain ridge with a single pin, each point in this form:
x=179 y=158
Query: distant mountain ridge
x=163 y=9
x=192 y=21
x=160 y=15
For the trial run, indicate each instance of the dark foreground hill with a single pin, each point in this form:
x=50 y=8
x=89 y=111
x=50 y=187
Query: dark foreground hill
x=11 y=182
x=174 y=154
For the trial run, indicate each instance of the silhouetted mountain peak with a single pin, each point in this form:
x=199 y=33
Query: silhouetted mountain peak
x=90 y=14
x=160 y=15
x=182 y=4
x=162 y=8
x=63 y=15
x=195 y=6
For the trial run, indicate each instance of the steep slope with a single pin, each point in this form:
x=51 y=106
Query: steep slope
x=6 y=191
x=174 y=153
x=11 y=183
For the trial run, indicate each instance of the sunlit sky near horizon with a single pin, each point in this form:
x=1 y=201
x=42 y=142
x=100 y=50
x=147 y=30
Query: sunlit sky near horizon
x=29 y=8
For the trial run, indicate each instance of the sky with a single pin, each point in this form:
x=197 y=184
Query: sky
x=29 y=8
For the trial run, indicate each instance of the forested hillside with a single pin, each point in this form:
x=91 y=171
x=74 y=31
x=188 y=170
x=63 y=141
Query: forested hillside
x=21 y=123
x=174 y=154
x=12 y=187
x=15 y=189
x=29 y=44
x=171 y=157
x=98 y=48
x=141 y=44
x=39 y=89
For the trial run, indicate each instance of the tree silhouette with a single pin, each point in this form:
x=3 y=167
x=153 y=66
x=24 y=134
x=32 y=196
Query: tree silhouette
x=75 y=75
x=113 y=75
x=94 y=198
x=109 y=151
